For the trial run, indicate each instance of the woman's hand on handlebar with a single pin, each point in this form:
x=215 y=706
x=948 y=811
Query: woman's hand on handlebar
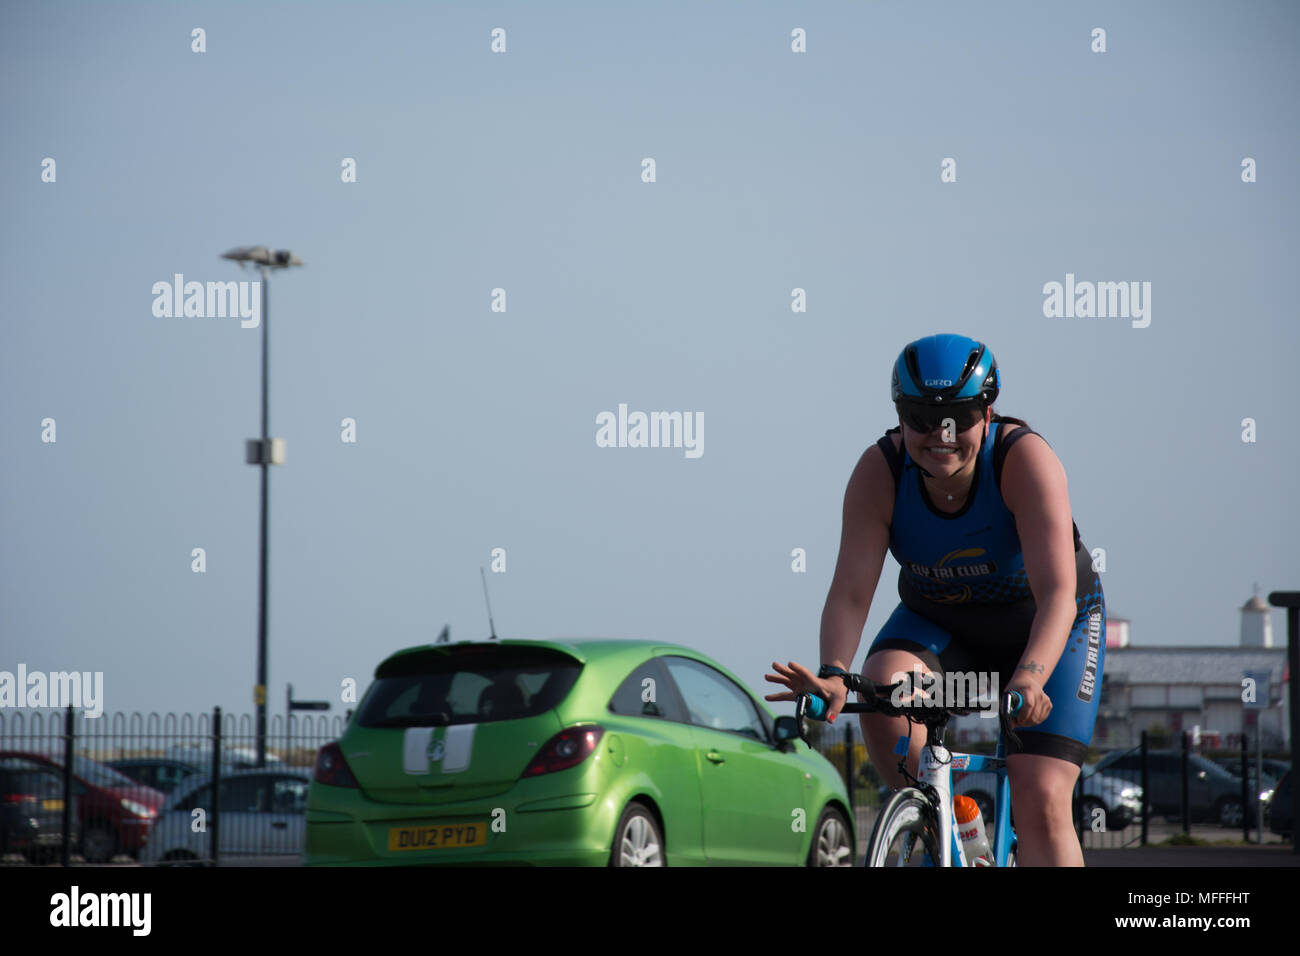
x=800 y=680
x=1037 y=705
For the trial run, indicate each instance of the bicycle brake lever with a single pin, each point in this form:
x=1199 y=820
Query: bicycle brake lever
x=801 y=708
x=1005 y=719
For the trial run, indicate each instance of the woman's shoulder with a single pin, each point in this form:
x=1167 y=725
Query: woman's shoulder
x=872 y=483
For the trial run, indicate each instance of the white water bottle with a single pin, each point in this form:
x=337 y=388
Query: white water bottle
x=970 y=829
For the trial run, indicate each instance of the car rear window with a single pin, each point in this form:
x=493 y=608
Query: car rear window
x=473 y=684
x=100 y=775
x=34 y=783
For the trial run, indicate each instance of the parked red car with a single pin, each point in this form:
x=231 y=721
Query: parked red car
x=116 y=814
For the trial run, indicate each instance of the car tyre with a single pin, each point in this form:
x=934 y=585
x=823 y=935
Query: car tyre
x=985 y=802
x=180 y=858
x=638 y=840
x=832 y=841
x=99 y=844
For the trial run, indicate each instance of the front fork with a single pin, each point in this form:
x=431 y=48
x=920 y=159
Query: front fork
x=933 y=770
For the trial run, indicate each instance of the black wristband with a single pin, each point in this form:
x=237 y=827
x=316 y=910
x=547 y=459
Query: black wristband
x=830 y=670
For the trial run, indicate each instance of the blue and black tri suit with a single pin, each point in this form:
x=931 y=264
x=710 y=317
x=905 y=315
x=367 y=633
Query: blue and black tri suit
x=966 y=604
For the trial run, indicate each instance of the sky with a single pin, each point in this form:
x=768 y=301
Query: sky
x=526 y=171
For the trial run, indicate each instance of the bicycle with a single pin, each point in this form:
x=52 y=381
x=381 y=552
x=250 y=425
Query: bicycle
x=924 y=809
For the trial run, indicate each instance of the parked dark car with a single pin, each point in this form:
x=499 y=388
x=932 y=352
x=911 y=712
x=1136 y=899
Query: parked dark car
x=31 y=811
x=1273 y=770
x=1213 y=794
x=115 y=813
x=1279 y=812
x=161 y=773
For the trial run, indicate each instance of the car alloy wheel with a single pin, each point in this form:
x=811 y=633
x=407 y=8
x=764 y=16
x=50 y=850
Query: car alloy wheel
x=1087 y=809
x=1230 y=813
x=637 y=840
x=831 y=841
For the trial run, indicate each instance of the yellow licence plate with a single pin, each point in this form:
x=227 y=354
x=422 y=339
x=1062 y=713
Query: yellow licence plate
x=437 y=837
x=51 y=804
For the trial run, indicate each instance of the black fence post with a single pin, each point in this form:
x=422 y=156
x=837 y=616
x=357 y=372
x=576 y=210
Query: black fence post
x=1245 y=798
x=1146 y=790
x=848 y=761
x=214 y=825
x=1187 y=823
x=1291 y=601
x=69 y=723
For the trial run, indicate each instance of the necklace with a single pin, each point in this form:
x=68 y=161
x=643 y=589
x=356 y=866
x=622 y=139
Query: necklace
x=962 y=494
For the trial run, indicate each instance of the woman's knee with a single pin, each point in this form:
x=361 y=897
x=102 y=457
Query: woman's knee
x=1042 y=790
x=890 y=666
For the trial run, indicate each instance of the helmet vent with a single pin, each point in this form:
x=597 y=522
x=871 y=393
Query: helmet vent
x=913 y=365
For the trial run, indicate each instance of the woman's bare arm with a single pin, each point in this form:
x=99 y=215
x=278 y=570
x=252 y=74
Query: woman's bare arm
x=864 y=540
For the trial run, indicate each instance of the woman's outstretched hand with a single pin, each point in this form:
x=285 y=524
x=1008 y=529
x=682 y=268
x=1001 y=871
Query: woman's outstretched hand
x=800 y=680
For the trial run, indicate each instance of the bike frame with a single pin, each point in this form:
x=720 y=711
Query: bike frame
x=936 y=768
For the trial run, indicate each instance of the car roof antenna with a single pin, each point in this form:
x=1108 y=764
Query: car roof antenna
x=491 y=627
x=444 y=636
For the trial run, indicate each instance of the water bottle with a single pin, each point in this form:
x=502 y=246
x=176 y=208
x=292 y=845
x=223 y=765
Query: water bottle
x=970 y=828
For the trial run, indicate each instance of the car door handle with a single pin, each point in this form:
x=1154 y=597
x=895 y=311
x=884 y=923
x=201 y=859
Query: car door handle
x=279 y=824
x=715 y=757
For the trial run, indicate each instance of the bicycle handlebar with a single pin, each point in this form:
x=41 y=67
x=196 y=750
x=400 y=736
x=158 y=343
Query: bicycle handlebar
x=817 y=706
x=878 y=700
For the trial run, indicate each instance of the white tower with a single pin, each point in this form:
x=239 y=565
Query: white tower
x=1256 y=622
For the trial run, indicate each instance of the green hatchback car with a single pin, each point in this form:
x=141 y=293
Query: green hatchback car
x=588 y=752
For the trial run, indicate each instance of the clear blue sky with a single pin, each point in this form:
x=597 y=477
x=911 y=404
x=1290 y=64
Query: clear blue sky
x=476 y=429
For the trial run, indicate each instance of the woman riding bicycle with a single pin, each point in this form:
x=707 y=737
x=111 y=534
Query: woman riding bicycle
x=993 y=578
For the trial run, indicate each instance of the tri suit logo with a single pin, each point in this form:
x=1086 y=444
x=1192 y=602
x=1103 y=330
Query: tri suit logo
x=1088 y=684
x=944 y=571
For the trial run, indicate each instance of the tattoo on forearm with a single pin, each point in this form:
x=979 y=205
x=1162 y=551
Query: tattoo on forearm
x=1033 y=667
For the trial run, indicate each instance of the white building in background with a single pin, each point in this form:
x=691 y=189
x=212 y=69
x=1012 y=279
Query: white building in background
x=1194 y=689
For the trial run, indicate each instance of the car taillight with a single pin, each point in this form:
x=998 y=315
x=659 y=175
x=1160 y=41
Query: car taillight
x=332 y=769
x=566 y=749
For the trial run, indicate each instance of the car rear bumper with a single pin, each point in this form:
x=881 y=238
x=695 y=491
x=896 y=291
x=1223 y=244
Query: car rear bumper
x=571 y=836
x=567 y=830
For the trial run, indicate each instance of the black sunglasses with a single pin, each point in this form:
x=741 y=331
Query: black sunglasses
x=926 y=418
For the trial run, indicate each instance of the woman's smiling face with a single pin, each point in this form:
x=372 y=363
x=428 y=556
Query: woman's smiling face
x=945 y=453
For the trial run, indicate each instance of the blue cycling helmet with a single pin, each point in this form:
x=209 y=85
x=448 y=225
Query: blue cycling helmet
x=945 y=370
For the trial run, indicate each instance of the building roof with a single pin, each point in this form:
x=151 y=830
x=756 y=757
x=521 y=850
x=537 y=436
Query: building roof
x=1192 y=665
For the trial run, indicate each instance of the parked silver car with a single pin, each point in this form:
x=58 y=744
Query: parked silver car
x=263 y=813
x=1120 y=800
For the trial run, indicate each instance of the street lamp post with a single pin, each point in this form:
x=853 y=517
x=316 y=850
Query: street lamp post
x=263 y=452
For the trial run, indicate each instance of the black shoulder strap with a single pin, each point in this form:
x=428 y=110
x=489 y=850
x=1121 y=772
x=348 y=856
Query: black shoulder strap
x=1000 y=448
x=1003 y=444
x=892 y=456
